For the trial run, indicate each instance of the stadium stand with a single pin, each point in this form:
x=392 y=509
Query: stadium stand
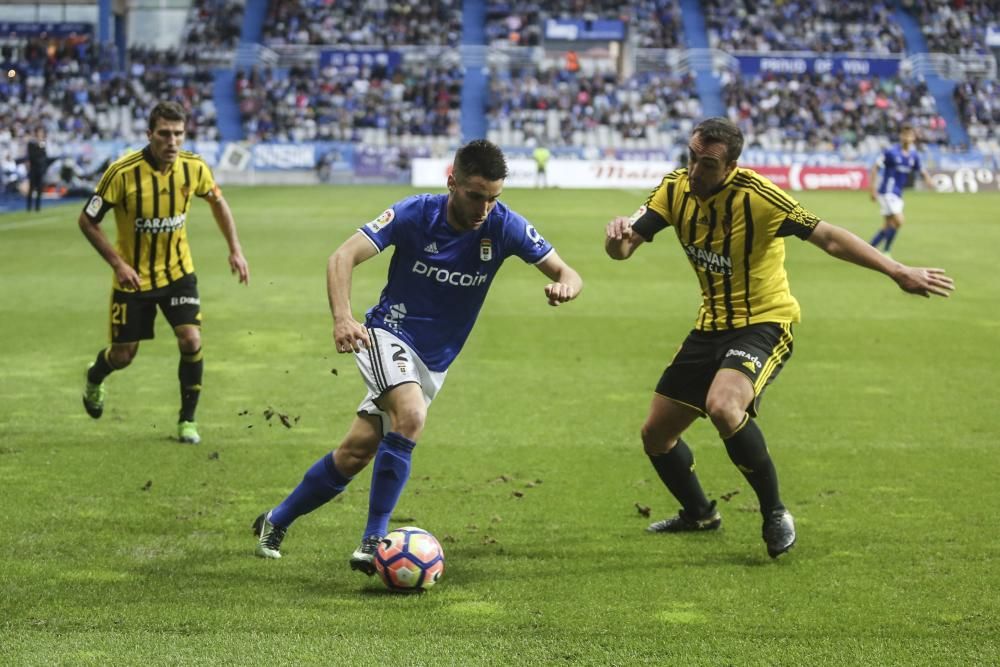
x=823 y=26
x=978 y=104
x=376 y=24
x=213 y=29
x=955 y=27
x=513 y=24
x=260 y=70
x=372 y=104
x=830 y=112
x=655 y=23
x=556 y=107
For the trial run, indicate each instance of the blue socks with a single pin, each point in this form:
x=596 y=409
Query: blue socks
x=890 y=236
x=390 y=473
x=321 y=484
x=887 y=234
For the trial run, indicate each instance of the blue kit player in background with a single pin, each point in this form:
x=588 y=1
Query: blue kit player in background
x=898 y=164
x=448 y=249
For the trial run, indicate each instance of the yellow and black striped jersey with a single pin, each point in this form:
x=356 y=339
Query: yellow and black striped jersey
x=734 y=242
x=151 y=208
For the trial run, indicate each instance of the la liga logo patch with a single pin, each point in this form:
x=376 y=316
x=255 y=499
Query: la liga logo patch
x=382 y=221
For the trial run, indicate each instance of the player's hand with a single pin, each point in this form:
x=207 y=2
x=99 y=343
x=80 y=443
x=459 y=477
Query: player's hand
x=559 y=293
x=238 y=265
x=873 y=196
x=618 y=229
x=925 y=282
x=350 y=336
x=127 y=277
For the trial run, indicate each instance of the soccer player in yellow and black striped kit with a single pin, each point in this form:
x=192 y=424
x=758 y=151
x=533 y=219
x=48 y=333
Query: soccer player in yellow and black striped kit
x=150 y=192
x=732 y=223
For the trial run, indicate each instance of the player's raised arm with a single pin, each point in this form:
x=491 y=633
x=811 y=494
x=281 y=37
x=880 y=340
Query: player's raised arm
x=844 y=245
x=566 y=282
x=348 y=334
x=620 y=241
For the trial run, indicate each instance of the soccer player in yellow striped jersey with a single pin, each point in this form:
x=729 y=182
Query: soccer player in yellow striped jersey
x=150 y=192
x=732 y=224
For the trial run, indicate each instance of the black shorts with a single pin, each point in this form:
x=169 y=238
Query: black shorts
x=134 y=313
x=759 y=351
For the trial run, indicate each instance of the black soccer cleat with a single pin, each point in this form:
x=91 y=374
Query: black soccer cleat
x=363 y=558
x=778 y=532
x=268 y=535
x=93 y=397
x=685 y=523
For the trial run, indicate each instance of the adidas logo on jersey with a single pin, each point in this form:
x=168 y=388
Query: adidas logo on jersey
x=431 y=248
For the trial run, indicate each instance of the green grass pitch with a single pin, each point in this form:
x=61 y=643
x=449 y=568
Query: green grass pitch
x=121 y=546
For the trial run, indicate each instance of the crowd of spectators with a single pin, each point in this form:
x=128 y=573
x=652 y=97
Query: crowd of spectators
x=830 y=111
x=955 y=26
x=823 y=26
x=514 y=24
x=213 y=29
x=657 y=24
x=654 y=24
x=74 y=91
x=74 y=97
x=978 y=104
x=378 y=23
x=556 y=107
x=420 y=99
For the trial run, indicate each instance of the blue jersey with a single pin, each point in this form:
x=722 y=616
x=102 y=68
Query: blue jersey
x=438 y=277
x=898 y=167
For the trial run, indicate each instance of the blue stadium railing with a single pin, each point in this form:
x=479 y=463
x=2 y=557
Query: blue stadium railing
x=705 y=81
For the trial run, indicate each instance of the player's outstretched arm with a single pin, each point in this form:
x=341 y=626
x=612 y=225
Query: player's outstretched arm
x=844 y=245
x=619 y=239
x=227 y=225
x=348 y=334
x=566 y=282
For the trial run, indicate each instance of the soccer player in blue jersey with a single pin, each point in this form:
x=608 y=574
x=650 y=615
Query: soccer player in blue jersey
x=898 y=164
x=448 y=249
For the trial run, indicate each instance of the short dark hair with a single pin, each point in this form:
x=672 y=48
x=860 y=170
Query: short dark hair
x=480 y=158
x=722 y=130
x=167 y=111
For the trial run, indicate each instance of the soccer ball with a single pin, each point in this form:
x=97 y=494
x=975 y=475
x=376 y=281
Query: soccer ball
x=409 y=559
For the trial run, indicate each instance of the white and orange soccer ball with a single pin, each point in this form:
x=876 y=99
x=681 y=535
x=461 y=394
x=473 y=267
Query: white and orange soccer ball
x=409 y=559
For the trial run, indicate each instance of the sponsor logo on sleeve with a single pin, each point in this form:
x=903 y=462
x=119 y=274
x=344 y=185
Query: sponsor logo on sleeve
x=533 y=234
x=94 y=206
x=638 y=214
x=382 y=221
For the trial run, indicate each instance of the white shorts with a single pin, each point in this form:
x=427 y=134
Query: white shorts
x=890 y=204
x=390 y=362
